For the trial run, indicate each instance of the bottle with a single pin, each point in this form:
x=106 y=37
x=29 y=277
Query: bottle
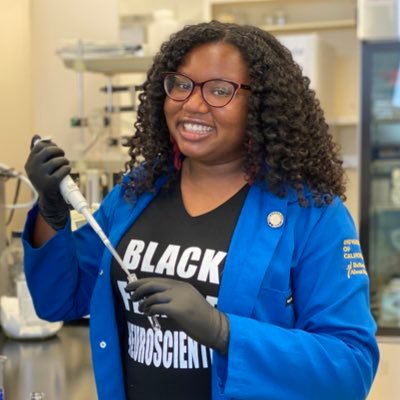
x=11 y=261
x=280 y=17
x=160 y=29
x=17 y=314
x=36 y=396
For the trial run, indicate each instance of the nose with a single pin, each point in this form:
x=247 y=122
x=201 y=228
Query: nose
x=195 y=102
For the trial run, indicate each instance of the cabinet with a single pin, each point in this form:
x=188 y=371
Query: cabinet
x=278 y=16
x=380 y=179
x=334 y=22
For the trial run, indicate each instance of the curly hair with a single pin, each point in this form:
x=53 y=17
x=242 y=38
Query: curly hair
x=287 y=144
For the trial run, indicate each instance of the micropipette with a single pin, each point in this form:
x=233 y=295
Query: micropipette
x=72 y=195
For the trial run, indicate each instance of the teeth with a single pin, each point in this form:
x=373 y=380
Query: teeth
x=197 y=128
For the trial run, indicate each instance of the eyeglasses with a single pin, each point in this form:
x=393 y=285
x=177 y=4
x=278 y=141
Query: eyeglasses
x=215 y=92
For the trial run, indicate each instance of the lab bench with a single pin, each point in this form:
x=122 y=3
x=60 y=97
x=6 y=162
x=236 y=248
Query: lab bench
x=61 y=366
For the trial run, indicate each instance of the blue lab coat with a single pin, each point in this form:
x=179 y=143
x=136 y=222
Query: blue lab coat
x=294 y=289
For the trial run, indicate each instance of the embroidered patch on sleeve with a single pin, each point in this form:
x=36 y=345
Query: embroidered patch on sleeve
x=354 y=258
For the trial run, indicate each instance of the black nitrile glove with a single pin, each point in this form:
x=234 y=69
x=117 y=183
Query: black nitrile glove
x=46 y=167
x=184 y=304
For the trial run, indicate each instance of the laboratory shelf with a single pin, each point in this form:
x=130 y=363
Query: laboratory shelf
x=110 y=65
x=310 y=26
x=379 y=208
x=350 y=120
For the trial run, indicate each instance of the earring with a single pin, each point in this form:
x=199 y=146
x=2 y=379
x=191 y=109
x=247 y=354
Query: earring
x=177 y=154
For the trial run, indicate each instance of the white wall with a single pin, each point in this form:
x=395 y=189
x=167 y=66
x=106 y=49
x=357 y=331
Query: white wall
x=15 y=81
x=55 y=88
x=38 y=94
x=15 y=89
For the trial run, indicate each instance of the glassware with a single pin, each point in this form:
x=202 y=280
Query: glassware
x=36 y=396
x=17 y=314
x=11 y=261
x=280 y=17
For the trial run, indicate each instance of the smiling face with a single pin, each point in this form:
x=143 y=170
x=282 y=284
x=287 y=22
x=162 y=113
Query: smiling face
x=203 y=133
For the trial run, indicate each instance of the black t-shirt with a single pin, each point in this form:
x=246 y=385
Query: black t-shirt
x=167 y=242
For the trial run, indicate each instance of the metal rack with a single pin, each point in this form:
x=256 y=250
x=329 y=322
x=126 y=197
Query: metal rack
x=108 y=60
x=111 y=65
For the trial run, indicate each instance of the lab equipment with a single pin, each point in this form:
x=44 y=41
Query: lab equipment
x=93 y=190
x=2 y=362
x=7 y=173
x=108 y=59
x=11 y=264
x=17 y=314
x=74 y=197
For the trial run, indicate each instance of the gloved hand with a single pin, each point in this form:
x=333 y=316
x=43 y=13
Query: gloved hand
x=184 y=304
x=46 y=167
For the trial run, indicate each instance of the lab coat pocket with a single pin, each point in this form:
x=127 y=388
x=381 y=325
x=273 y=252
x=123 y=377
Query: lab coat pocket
x=275 y=307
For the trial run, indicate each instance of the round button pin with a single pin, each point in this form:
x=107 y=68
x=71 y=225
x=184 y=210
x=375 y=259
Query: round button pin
x=275 y=219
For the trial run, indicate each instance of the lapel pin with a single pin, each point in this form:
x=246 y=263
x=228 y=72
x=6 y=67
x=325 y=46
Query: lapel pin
x=275 y=219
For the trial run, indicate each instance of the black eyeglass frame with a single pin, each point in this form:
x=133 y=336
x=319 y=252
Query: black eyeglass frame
x=235 y=85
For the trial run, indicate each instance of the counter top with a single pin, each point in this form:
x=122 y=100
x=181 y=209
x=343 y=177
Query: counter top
x=60 y=367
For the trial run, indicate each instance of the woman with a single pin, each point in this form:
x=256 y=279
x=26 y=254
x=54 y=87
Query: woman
x=238 y=203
